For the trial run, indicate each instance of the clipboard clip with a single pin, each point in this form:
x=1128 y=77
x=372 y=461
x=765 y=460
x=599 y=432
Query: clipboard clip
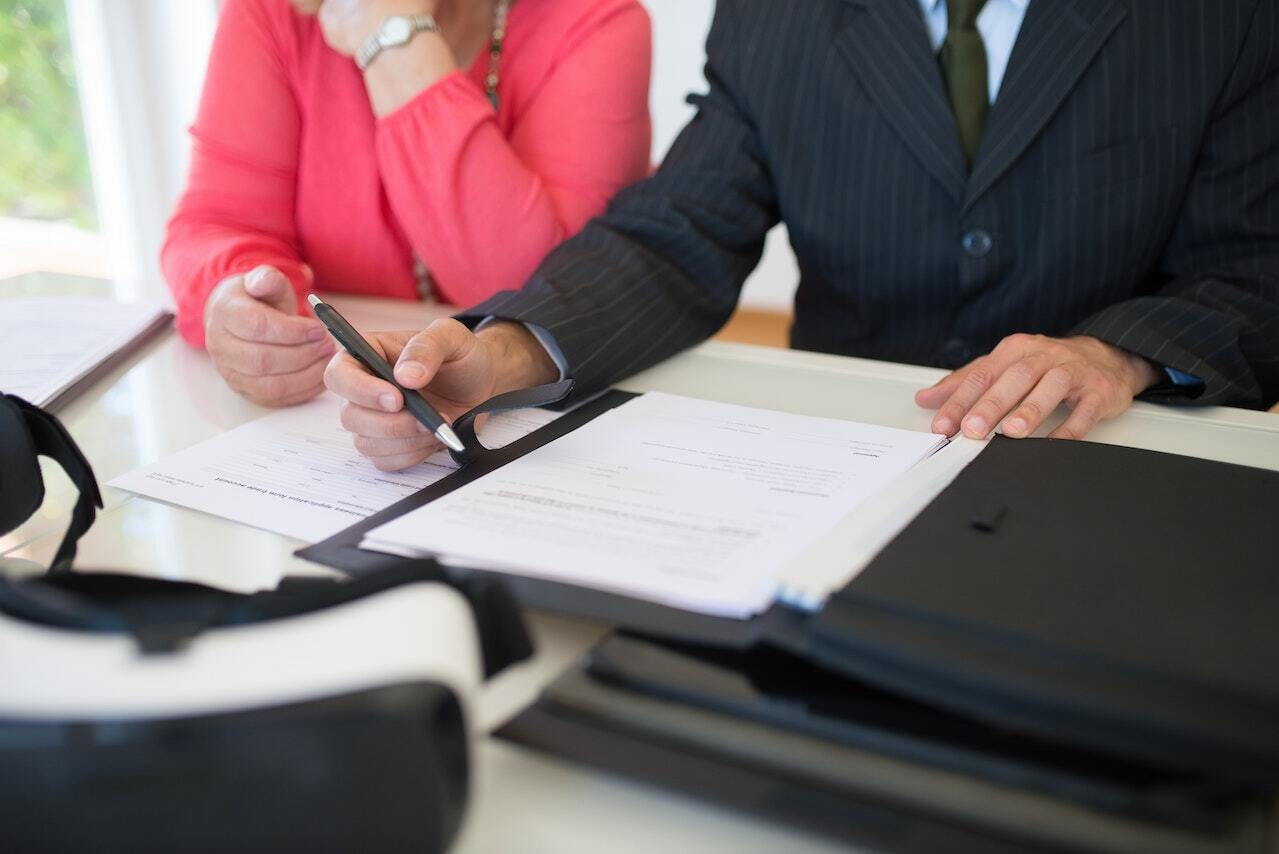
x=521 y=398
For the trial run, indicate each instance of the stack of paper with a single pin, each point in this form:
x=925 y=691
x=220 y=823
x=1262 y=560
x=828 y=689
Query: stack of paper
x=680 y=501
x=295 y=471
x=48 y=344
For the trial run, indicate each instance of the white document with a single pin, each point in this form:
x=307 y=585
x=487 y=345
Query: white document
x=840 y=555
x=685 y=502
x=48 y=343
x=295 y=472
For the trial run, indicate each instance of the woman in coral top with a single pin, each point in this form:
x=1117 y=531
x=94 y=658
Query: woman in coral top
x=408 y=148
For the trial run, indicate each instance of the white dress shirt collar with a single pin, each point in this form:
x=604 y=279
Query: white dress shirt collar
x=929 y=6
x=998 y=23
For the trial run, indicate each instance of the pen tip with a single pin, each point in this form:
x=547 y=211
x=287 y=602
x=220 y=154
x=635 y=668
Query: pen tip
x=446 y=435
x=314 y=300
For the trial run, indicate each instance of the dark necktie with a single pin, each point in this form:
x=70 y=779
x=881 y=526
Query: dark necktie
x=963 y=65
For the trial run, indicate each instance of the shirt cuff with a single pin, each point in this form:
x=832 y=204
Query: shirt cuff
x=546 y=339
x=1178 y=378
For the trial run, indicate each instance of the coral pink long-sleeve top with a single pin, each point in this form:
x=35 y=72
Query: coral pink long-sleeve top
x=291 y=168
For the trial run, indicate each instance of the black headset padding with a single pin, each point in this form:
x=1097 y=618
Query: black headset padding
x=163 y=615
x=26 y=433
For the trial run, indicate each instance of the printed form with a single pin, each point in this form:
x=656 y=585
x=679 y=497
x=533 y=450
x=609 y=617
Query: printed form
x=295 y=472
x=685 y=502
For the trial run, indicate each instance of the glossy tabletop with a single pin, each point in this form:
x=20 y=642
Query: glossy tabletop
x=168 y=396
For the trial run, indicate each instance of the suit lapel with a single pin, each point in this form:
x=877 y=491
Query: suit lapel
x=1057 y=42
x=887 y=44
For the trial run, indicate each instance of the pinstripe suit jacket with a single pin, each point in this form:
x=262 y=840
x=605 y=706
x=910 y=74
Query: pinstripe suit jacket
x=1127 y=187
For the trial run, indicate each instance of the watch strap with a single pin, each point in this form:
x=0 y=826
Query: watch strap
x=374 y=44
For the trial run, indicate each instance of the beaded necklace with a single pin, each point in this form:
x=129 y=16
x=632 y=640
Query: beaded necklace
x=495 y=51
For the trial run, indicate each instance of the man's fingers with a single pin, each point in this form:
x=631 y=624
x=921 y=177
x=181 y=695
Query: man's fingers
x=1008 y=389
x=264 y=360
x=977 y=378
x=348 y=379
x=445 y=340
x=269 y=285
x=377 y=448
x=937 y=393
x=1040 y=403
x=1083 y=417
x=251 y=320
x=400 y=462
x=373 y=423
x=1026 y=377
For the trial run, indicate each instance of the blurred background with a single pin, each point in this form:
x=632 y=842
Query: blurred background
x=95 y=99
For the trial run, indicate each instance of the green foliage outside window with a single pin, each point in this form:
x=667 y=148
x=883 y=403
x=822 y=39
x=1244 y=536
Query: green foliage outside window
x=44 y=168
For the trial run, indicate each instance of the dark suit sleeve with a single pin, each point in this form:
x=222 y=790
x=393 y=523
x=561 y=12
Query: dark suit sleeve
x=1217 y=316
x=662 y=269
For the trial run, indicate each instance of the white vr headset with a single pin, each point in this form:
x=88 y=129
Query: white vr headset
x=138 y=714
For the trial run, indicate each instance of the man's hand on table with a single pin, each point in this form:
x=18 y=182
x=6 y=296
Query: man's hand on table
x=260 y=345
x=456 y=370
x=1026 y=377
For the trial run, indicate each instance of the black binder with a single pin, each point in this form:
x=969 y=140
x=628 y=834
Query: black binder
x=1089 y=624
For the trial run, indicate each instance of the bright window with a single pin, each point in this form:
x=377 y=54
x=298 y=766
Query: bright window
x=48 y=220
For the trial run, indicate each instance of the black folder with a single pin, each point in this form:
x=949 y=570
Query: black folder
x=772 y=735
x=1074 y=646
x=1094 y=594
x=1095 y=624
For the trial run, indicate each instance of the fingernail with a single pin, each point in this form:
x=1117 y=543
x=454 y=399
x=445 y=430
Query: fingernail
x=411 y=372
x=317 y=333
x=389 y=402
x=976 y=427
x=1014 y=426
x=944 y=426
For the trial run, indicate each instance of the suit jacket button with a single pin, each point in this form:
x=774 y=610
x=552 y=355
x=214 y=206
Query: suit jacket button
x=957 y=352
x=977 y=243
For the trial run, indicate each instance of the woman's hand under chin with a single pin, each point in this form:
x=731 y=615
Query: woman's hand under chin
x=347 y=24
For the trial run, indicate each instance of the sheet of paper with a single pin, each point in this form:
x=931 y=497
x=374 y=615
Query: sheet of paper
x=685 y=502
x=48 y=343
x=295 y=472
x=837 y=557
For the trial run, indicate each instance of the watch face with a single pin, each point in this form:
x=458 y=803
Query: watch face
x=395 y=30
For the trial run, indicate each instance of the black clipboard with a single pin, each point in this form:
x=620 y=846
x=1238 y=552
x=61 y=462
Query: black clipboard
x=342 y=551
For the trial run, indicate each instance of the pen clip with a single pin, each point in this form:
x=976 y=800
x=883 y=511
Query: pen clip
x=522 y=398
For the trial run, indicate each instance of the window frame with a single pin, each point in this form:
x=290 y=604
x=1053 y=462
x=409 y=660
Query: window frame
x=139 y=69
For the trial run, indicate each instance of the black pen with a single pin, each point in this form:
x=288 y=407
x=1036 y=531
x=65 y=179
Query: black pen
x=354 y=343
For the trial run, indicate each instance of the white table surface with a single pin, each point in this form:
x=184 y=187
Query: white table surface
x=168 y=396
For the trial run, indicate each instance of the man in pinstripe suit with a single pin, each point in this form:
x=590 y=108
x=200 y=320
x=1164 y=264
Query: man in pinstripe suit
x=1062 y=201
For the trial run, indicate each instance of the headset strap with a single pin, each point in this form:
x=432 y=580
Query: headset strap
x=40 y=434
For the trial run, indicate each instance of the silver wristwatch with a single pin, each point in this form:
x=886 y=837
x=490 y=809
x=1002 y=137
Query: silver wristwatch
x=394 y=31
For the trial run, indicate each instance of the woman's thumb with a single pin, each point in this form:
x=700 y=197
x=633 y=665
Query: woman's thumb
x=269 y=285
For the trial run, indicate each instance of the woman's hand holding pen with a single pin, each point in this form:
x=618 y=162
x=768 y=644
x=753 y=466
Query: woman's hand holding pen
x=260 y=345
x=454 y=368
